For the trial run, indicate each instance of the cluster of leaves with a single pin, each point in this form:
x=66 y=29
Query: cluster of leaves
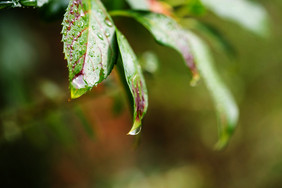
x=93 y=45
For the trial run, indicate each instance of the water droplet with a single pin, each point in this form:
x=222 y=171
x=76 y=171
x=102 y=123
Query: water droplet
x=135 y=131
x=100 y=36
x=81 y=41
x=78 y=82
x=107 y=33
x=108 y=22
x=82 y=13
x=80 y=50
x=99 y=12
x=91 y=53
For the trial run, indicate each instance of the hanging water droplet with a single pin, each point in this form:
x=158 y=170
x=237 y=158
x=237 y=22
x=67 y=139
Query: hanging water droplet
x=100 y=36
x=135 y=131
x=78 y=82
x=108 y=22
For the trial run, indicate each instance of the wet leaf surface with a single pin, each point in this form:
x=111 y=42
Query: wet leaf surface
x=132 y=73
x=89 y=44
x=168 y=33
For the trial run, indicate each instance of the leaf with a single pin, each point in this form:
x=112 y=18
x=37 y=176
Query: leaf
x=224 y=102
x=22 y=3
x=135 y=81
x=190 y=8
x=195 y=7
x=151 y=5
x=89 y=44
x=139 y=4
x=166 y=32
x=249 y=15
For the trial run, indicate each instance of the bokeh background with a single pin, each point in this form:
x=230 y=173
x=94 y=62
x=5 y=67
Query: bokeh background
x=47 y=140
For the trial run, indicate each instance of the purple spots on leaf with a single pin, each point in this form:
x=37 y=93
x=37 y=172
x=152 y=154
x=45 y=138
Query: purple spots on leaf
x=139 y=99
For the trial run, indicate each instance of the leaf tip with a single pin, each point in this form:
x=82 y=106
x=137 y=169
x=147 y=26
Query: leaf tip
x=224 y=138
x=76 y=93
x=136 y=128
x=195 y=79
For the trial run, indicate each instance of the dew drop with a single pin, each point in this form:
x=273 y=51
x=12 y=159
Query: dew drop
x=135 y=131
x=91 y=54
x=108 y=22
x=78 y=82
x=82 y=13
x=100 y=36
x=99 y=12
x=107 y=33
x=81 y=42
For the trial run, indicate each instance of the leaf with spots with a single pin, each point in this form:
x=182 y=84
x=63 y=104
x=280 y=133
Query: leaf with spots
x=132 y=72
x=89 y=44
x=166 y=32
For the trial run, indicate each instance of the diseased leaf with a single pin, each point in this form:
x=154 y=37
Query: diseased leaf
x=89 y=44
x=135 y=82
x=168 y=33
x=248 y=14
x=225 y=104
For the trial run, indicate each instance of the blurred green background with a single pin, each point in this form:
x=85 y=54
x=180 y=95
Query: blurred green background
x=46 y=140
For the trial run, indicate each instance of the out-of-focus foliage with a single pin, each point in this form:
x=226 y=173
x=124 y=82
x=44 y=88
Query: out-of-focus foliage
x=242 y=12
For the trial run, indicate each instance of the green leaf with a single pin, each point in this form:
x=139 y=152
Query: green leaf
x=195 y=7
x=224 y=102
x=151 y=5
x=139 y=4
x=190 y=8
x=166 y=32
x=22 y=3
x=89 y=44
x=132 y=73
x=249 y=15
